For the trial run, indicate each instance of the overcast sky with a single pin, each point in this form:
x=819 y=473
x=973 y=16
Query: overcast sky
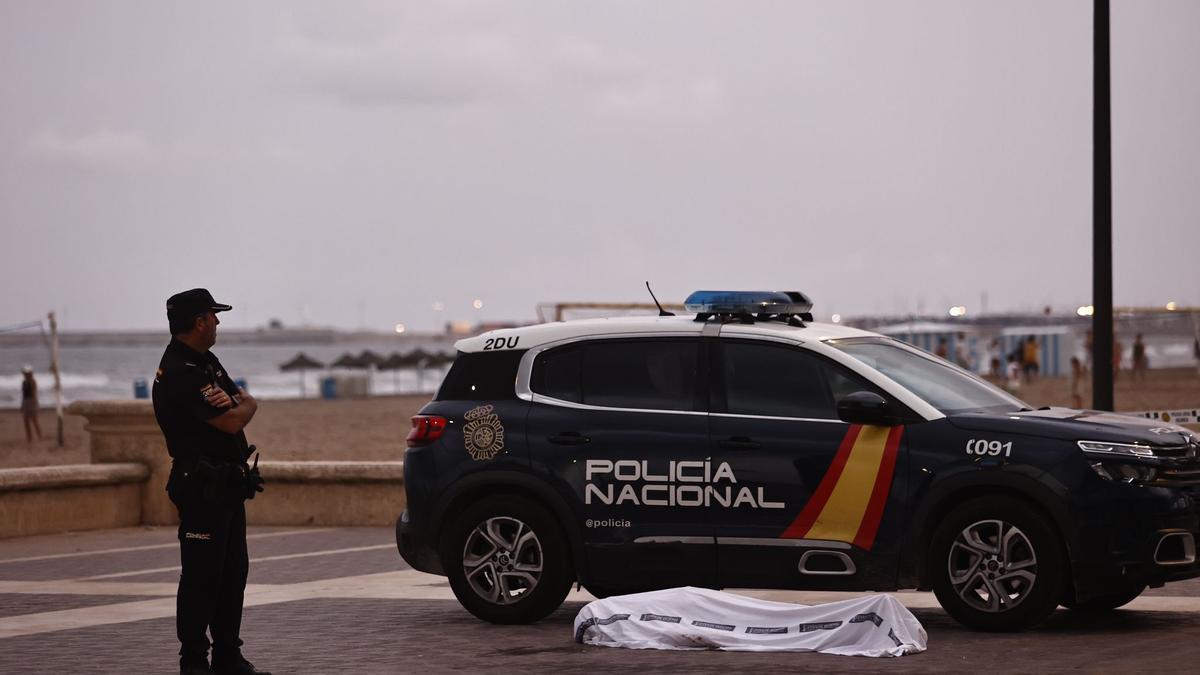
x=352 y=163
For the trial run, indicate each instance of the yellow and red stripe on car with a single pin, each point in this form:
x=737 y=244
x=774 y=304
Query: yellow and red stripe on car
x=848 y=504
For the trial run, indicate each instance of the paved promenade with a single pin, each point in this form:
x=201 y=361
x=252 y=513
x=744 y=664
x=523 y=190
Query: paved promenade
x=325 y=600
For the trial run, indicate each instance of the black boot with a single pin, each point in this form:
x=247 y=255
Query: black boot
x=236 y=667
x=198 y=668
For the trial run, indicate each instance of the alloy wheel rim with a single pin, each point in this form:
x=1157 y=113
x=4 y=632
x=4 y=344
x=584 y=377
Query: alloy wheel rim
x=992 y=566
x=502 y=560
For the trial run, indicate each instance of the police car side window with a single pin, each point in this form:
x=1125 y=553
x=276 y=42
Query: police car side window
x=776 y=381
x=482 y=376
x=842 y=383
x=556 y=373
x=653 y=374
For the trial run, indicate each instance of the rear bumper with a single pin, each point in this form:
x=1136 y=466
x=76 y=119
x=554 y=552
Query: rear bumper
x=416 y=547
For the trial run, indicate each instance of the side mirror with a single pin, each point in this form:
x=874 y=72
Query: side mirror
x=867 y=407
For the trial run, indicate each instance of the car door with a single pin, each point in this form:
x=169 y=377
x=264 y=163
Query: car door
x=621 y=425
x=811 y=491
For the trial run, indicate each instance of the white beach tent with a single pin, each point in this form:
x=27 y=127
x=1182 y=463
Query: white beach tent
x=927 y=334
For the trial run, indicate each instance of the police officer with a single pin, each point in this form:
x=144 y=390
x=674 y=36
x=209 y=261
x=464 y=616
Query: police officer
x=202 y=414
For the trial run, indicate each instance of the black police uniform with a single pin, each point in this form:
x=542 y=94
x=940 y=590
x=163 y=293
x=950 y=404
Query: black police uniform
x=207 y=485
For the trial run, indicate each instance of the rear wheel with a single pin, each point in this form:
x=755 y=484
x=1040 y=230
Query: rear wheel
x=996 y=565
x=507 y=560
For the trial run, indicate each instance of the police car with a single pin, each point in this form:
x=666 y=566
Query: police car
x=745 y=446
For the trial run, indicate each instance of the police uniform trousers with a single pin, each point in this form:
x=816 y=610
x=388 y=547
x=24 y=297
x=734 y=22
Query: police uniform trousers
x=215 y=562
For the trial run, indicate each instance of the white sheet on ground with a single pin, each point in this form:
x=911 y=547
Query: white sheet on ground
x=699 y=618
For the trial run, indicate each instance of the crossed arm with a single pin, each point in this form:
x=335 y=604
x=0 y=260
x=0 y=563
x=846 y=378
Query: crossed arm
x=240 y=409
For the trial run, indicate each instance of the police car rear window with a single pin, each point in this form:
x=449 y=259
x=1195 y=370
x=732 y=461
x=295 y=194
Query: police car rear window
x=657 y=374
x=482 y=376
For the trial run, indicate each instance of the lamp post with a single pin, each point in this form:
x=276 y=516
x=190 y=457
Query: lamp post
x=1102 y=287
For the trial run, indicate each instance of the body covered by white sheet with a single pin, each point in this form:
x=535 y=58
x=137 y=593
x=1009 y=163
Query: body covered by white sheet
x=699 y=618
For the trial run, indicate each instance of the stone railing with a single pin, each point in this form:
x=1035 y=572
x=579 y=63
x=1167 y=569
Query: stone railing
x=329 y=493
x=72 y=497
x=125 y=438
x=125 y=431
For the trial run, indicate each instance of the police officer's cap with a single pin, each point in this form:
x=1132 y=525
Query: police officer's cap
x=189 y=304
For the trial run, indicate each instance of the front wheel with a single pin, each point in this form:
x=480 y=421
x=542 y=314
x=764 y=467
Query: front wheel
x=996 y=565
x=507 y=560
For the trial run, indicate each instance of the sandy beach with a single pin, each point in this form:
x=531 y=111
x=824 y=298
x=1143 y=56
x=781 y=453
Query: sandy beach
x=362 y=429
x=374 y=428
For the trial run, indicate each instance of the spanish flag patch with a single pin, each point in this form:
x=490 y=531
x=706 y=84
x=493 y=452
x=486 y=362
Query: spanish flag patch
x=848 y=504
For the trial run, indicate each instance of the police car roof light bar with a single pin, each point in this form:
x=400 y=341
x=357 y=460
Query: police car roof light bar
x=791 y=307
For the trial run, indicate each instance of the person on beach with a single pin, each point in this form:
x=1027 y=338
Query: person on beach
x=943 y=349
x=1030 y=361
x=1074 y=382
x=1012 y=374
x=1140 y=362
x=962 y=353
x=1088 y=346
x=29 y=405
x=993 y=355
x=203 y=414
x=1116 y=364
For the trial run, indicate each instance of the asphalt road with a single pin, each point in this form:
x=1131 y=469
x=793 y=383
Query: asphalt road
x=324 y=600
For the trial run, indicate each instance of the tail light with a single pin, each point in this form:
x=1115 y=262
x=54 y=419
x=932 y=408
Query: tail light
x=425 y=430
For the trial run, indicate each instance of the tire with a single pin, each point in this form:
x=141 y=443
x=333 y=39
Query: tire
x=507 y=560
x=1105 y=603
x=601 y=592
x=997 y=565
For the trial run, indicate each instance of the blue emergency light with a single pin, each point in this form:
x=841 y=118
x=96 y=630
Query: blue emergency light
x=748 y=302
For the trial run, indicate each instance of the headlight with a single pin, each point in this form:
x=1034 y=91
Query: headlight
x=1106 y=449
x=1110 y=461
x=1125 y=473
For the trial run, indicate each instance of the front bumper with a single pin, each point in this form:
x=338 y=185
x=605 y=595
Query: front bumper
x=416 y=546
x=1149 y=539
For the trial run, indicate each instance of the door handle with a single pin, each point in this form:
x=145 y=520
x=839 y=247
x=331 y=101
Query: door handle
x=568 y=438
x=739 y=443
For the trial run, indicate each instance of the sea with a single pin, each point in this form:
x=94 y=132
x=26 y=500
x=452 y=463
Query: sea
x=108 y=371
x=109 y=367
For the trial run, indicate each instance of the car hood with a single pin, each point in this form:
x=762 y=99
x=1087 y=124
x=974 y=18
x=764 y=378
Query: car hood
x=1078 y=425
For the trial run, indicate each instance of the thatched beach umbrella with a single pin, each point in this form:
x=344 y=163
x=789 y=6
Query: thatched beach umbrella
x=301 y=362
x=441 y=360
x=418 y=359
x=353 y=362
x=347 y=360
x=394 y=362
x=369 y=358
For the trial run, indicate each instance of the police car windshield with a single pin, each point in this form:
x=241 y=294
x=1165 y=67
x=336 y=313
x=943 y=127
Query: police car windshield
x=944 y=386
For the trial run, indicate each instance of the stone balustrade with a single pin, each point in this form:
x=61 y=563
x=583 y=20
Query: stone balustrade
x=125 y=484
x=45 y=499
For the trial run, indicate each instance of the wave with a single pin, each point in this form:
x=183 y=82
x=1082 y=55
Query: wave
x=267 y=386
x=69 y=380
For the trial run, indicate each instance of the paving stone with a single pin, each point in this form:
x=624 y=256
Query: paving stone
x=373 y=635
x=16 y=604
x=401 y=636
x=296 y=570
